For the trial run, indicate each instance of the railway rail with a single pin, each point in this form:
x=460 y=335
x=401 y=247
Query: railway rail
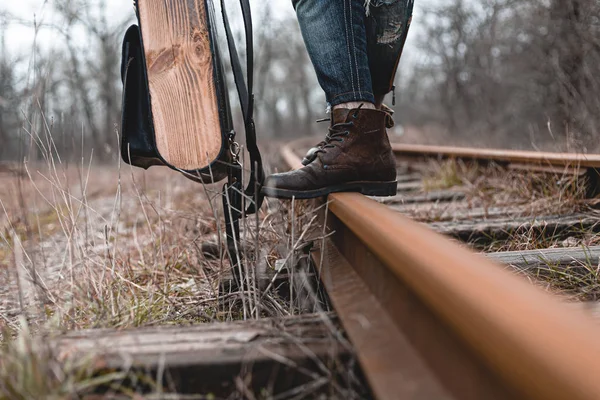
x=430 y=319
x=505 y=156
x=574 y=163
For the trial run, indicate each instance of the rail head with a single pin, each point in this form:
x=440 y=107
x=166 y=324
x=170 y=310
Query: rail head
x=499 y=155
x=535 y=343
x=518 y=330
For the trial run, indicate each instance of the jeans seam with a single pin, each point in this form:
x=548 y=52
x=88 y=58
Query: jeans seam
x=354 y=47
x=348 y=47
x=352 y=93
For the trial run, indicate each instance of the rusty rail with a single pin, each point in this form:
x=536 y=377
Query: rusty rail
x=430 y=319
x=512 y=156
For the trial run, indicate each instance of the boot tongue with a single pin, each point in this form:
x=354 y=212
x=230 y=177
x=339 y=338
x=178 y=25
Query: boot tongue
x=339 y=115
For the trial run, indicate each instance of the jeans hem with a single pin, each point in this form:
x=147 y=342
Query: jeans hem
x=348 y=97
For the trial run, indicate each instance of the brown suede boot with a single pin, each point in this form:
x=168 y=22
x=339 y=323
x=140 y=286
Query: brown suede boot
x=355 y=156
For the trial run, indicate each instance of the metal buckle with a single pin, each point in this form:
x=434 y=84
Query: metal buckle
x=234 y=148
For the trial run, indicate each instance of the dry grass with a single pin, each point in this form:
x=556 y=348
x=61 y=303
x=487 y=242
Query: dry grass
x=86 y=246
x=528 y=192
x=28 y=370
x=138 y=255
x=150 y=266
x=523 y=193
x=562 y=192
x=533 y=194
x=579 y=282
x=447 y=174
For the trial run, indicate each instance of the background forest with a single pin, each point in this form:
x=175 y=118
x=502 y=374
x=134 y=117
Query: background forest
x=502 y=73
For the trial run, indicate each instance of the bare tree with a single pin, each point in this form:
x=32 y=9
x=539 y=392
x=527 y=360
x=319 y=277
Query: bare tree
x=501 y=71
x=94 y=75
x=9 y=95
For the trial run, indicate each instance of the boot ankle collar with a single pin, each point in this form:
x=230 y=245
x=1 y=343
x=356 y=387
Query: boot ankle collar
x=339 y=115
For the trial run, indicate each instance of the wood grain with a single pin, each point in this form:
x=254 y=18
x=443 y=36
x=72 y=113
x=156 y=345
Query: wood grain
x=549 y=259
x=503 y=227
x=209 y=344
x=211 y=357
x=180 y=74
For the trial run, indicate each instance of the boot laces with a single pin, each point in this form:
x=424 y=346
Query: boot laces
x=337 y=132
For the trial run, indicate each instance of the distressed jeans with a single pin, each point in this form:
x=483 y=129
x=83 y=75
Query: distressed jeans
x=354 y=45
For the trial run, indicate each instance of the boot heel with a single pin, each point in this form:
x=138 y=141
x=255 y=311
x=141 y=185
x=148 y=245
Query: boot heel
x=382 y=189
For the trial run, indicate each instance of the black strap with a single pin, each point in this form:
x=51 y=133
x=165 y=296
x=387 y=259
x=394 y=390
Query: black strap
x=244 y=89
x=232 y=207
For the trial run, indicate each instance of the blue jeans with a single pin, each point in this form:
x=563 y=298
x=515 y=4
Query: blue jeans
x=355 y=49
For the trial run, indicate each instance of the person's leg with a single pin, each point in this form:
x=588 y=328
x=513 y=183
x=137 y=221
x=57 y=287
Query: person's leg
x=387 y=26
x=356 y=154
x=334 y=34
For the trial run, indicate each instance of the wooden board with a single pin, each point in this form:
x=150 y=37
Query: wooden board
x=180 y=74
x=427 y=197
x=500 y=228
x=208 y=358
x=205 y=344
x=457 y=211
x=548 y=258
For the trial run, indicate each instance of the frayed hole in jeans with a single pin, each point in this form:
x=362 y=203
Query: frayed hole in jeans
x=391 y=34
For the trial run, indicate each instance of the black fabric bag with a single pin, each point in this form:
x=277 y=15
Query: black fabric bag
x=139 y=143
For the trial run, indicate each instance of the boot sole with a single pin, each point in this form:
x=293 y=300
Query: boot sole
x=382 y=189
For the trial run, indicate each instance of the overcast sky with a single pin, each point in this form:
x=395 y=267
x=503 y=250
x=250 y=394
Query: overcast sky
x=20 y=35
